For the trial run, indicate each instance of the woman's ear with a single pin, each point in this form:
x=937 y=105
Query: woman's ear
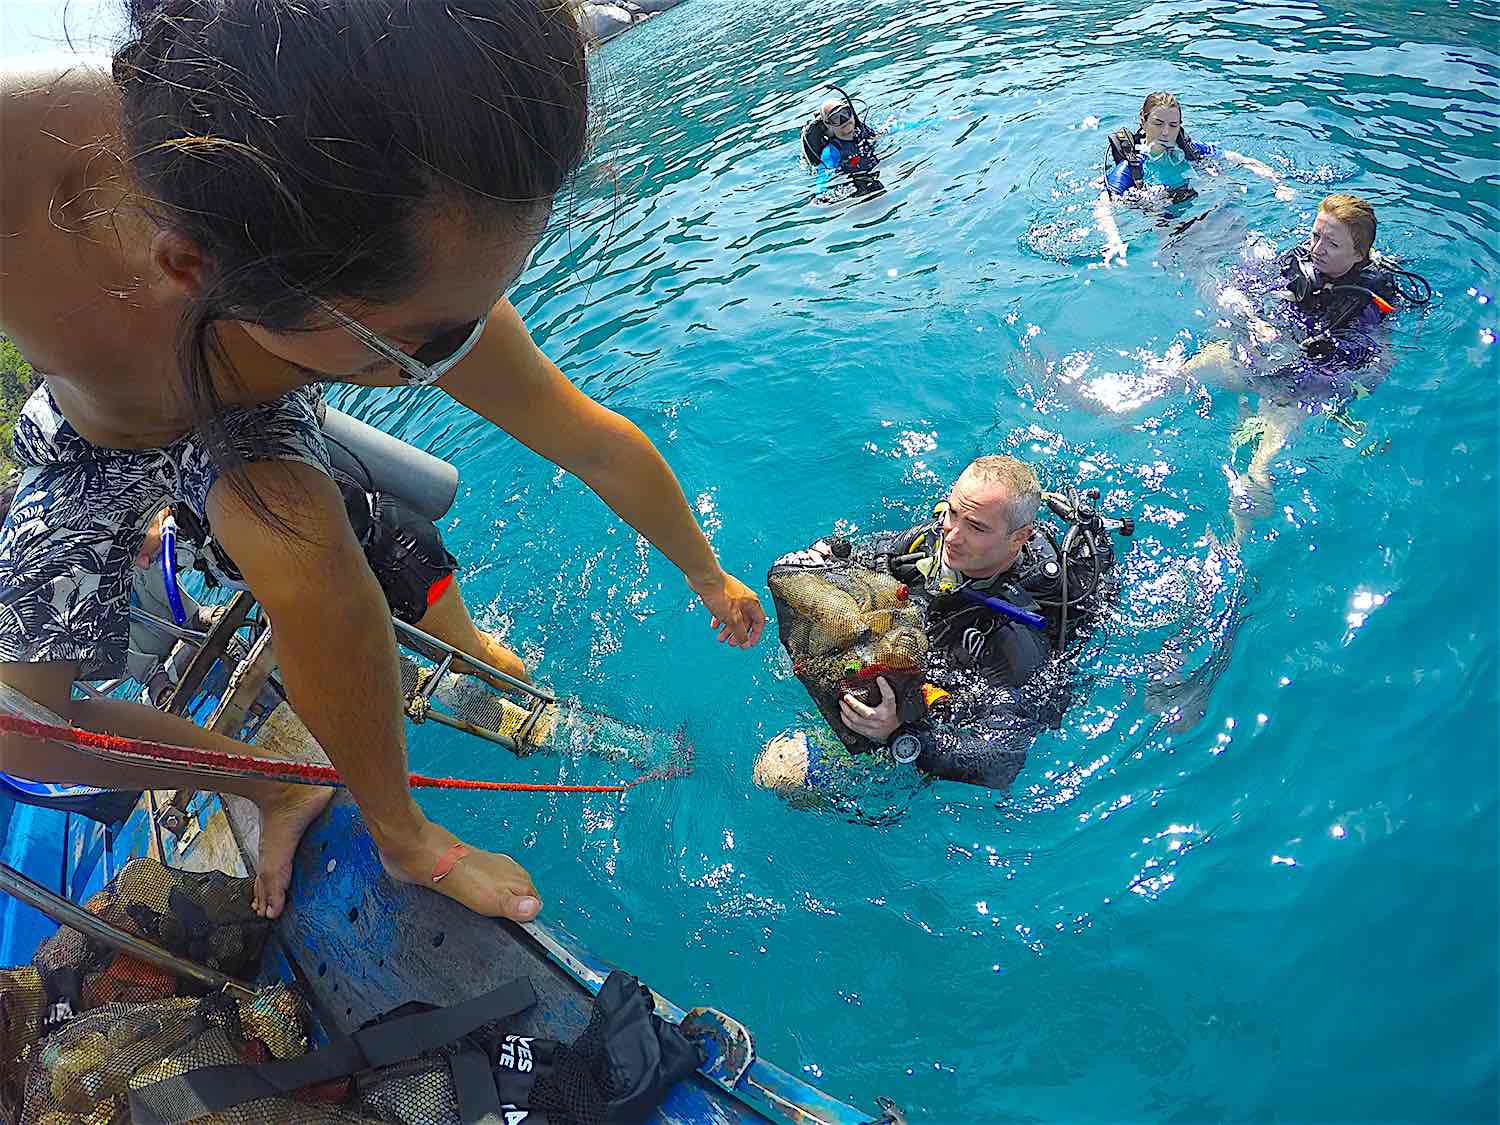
x=180 y=261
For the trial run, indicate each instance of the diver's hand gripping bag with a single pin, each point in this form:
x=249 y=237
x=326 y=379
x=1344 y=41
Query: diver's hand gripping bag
x=846 y=627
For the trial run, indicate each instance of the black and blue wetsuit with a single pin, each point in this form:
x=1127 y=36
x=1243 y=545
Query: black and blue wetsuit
x=1127 y=166
x=828 y=154
x=1336 y=328
x=998 y=686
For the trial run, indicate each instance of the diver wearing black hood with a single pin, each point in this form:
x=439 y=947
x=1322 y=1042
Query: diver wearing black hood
x=836 y=140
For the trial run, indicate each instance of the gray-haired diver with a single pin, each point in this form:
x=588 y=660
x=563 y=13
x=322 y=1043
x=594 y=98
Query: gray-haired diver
x=992 y=596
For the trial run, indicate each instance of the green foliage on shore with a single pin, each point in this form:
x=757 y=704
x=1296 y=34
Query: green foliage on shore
x=17 y=381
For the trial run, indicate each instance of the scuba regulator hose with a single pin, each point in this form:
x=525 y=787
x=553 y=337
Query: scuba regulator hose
x=848 y=101
x=1005 y=609
x=1084 y=522
x=1412 y=287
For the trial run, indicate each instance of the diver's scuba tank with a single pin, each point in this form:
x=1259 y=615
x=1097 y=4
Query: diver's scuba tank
x=379 y=462
x=1084 y=548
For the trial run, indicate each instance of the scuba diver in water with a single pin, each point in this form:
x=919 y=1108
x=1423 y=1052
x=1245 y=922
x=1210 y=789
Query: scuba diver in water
x=993 y=596
x=1161 y=154
x=836 y=140
x=1330 y=296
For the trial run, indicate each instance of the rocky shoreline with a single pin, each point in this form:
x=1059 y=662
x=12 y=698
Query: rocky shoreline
x=604 y=21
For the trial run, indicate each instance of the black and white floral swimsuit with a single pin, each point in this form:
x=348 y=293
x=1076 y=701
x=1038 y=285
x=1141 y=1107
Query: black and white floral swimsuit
x=80 y=514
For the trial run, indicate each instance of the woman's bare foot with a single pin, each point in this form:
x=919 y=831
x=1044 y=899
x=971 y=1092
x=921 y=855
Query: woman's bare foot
x=487 y=883
x=284 y=817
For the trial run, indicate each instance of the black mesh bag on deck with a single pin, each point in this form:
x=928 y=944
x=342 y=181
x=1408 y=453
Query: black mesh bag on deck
x=85 y=1073
x=201 y=916
x=466 y=1069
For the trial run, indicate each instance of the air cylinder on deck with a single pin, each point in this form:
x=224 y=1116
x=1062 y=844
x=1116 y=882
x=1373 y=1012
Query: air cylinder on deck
x=382 y=463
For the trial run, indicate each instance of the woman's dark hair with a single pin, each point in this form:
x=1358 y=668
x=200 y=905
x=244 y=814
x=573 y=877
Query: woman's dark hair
x=301 y=144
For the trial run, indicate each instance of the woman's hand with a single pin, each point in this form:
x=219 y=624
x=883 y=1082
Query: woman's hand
x=877 y=723
x=737 y=612
x=1114 y=252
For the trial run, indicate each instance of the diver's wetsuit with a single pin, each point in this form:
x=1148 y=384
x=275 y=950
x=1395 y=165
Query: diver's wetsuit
x=1335 y=328
x=996 y=694
x=828 y=153
x=1126 y=164
x=403 y=548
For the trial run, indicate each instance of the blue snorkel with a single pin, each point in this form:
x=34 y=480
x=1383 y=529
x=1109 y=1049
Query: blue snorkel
x=1005 y=609
x=169 y=567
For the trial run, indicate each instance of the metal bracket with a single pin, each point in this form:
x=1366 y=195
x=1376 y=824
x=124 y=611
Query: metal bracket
x=172 y=819
x=727 y=1045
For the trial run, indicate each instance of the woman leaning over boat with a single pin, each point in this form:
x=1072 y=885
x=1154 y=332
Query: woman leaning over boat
x=252 y=198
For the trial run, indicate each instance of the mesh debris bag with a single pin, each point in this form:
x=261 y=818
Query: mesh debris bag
x=23 y=1000
x=845 y=627
x=84 y=1072
x=202 y=916
x=92 y=1037
x=465 y=1069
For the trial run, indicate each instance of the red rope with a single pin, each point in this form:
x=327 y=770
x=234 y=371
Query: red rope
x=302 y=773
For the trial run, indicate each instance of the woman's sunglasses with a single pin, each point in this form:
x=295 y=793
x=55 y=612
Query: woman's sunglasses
x=427 y=364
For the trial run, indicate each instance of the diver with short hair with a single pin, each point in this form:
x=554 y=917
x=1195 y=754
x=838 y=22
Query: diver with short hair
x=1159 y=153
x=1328 y=298
x=998 y=596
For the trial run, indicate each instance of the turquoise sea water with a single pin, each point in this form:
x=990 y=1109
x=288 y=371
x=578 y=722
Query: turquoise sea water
x=1287 y=912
